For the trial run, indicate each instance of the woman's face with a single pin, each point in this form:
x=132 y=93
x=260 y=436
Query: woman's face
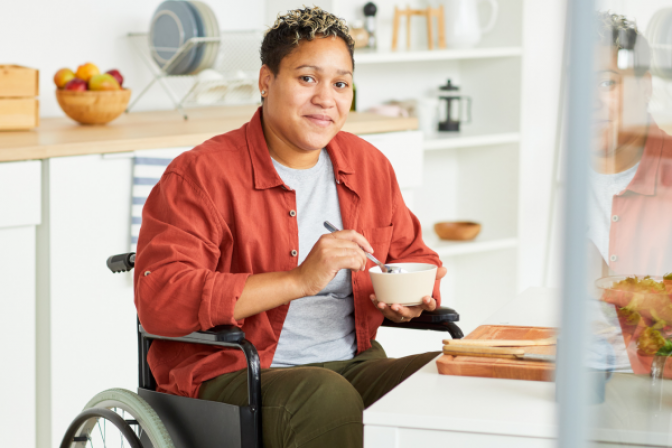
x=307 y=102
x=621 y=105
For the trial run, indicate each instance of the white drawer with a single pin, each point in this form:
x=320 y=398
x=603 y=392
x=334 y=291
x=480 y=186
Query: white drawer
x=20 y=192
x=404 y=151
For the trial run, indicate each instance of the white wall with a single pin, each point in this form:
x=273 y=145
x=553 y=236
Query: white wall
x=543 y=37
x=49 y=35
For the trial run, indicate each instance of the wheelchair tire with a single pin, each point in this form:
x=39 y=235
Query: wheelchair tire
x=121 y=399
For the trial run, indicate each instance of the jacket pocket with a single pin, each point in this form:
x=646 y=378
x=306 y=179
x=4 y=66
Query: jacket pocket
x=380 y=239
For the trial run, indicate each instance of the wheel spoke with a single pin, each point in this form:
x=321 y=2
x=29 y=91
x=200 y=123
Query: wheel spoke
x=100 y=430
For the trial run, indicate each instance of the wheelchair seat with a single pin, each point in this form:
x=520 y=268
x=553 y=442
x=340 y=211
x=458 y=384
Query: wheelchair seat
x=151 y=419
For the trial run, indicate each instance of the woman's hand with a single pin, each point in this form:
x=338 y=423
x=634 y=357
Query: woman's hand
x=331 y=253
x=399 y=313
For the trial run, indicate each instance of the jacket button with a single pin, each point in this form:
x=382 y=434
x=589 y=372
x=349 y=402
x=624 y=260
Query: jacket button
x=614 y=258
x=147 y=273
x=615 y=218
x=294 y=253
x=292 y=213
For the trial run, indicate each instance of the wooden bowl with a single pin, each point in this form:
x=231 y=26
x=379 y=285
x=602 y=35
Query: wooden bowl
x=93 y=107
x=458 y=230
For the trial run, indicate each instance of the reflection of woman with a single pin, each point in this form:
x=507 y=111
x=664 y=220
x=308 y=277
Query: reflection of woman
x=233 y=235
x=631 y=182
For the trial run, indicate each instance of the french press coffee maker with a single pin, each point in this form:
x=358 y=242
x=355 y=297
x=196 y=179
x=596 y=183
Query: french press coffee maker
x=451 y=107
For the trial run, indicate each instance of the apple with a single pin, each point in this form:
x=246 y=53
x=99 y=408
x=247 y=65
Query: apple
x=103 y=82
x=76 y=84
x=115 y=73
x=63 y=76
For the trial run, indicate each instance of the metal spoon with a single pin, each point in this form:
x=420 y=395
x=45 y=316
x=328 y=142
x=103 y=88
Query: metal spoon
x=383 y=267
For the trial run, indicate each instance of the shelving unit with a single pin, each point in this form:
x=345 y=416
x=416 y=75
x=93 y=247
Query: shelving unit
x=383 y=57
x=455 y=248
x=468 y=140
x=471 y=175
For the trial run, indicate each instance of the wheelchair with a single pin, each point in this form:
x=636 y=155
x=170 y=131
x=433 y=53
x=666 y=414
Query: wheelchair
x=151 y=419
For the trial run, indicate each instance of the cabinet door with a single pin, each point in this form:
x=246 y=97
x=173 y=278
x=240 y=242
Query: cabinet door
x=19 y=215
x=92 y=343
x=404 y=151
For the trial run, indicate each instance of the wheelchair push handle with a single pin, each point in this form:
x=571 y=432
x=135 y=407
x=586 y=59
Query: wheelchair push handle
x=121 y=262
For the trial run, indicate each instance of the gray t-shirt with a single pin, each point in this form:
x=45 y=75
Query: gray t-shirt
x=603 y=188
x=320 y=328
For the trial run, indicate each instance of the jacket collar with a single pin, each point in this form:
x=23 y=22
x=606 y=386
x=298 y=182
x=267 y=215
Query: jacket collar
x=646 y=177
x=264 y=173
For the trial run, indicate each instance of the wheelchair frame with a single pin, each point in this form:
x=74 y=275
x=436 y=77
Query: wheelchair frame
x=195 y=423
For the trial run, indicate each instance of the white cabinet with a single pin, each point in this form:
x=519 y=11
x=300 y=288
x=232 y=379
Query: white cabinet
x=19 y=216
x=89 y=335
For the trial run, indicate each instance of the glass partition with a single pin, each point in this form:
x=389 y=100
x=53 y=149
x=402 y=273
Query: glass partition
x=613 y=377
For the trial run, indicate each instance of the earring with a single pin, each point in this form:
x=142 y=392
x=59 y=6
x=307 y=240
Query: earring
x=263 y=92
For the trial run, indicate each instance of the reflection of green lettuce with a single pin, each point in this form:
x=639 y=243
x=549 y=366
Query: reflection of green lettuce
x=636 y=284
x=665 y=350
x=650 y=341
x=631 y=317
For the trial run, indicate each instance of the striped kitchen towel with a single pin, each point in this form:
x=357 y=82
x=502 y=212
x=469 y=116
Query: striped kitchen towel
x=148 y=167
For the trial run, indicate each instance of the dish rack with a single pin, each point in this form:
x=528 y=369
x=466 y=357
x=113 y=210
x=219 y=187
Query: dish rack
x=232 y=80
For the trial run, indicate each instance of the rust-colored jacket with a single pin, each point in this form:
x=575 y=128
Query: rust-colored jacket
x=219 y=214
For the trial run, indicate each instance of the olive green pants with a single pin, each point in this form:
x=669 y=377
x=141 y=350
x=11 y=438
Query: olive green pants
x=318 y=405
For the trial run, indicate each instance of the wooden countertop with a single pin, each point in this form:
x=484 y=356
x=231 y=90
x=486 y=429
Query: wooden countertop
x=58 y=137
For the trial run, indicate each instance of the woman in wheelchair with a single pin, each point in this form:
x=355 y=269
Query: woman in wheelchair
x=232 y=235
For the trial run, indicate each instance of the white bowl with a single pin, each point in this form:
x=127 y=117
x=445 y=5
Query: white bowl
x=407 y=288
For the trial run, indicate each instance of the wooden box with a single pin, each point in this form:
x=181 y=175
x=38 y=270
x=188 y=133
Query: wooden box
x=19 y=107
x=503 y=368
x=19 y=113
x=17 y=82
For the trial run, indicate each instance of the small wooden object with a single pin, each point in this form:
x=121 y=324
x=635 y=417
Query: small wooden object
x=93 y=107
x=500 y=342
x=19 y=107
x=428 y=13
x=497 y=367
x=457 y=231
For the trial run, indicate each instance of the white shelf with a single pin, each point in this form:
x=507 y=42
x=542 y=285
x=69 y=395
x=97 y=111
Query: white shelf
x=381 y=57
x=478 y=245
x=468 y=140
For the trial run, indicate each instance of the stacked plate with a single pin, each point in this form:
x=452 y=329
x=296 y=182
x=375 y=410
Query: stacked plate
x=173 y=24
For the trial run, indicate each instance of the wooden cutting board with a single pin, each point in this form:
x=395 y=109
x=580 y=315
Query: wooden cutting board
x=503 y=368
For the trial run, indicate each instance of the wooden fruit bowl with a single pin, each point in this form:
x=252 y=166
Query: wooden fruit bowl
x=457 y=231
x=93 y=107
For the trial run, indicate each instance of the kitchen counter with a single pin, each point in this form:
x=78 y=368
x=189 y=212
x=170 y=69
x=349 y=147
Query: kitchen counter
x=58 y=137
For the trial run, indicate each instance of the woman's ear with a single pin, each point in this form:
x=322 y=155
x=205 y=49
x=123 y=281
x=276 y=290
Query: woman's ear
x=265 y=80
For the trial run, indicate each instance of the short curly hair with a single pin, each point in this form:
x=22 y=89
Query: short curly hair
x=621 y=33
x=308 y=23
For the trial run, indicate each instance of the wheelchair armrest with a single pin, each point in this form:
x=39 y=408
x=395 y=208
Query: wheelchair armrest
x=441 y=319
x=438 y=315
x=222 y=335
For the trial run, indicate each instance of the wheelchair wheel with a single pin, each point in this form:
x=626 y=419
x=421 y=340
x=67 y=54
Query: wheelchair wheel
x=117 y=417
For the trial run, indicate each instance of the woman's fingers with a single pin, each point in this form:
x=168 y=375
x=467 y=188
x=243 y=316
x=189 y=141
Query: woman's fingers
x=441 y=272
x=428 y=304
x=395 y=312
x=355 y=237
